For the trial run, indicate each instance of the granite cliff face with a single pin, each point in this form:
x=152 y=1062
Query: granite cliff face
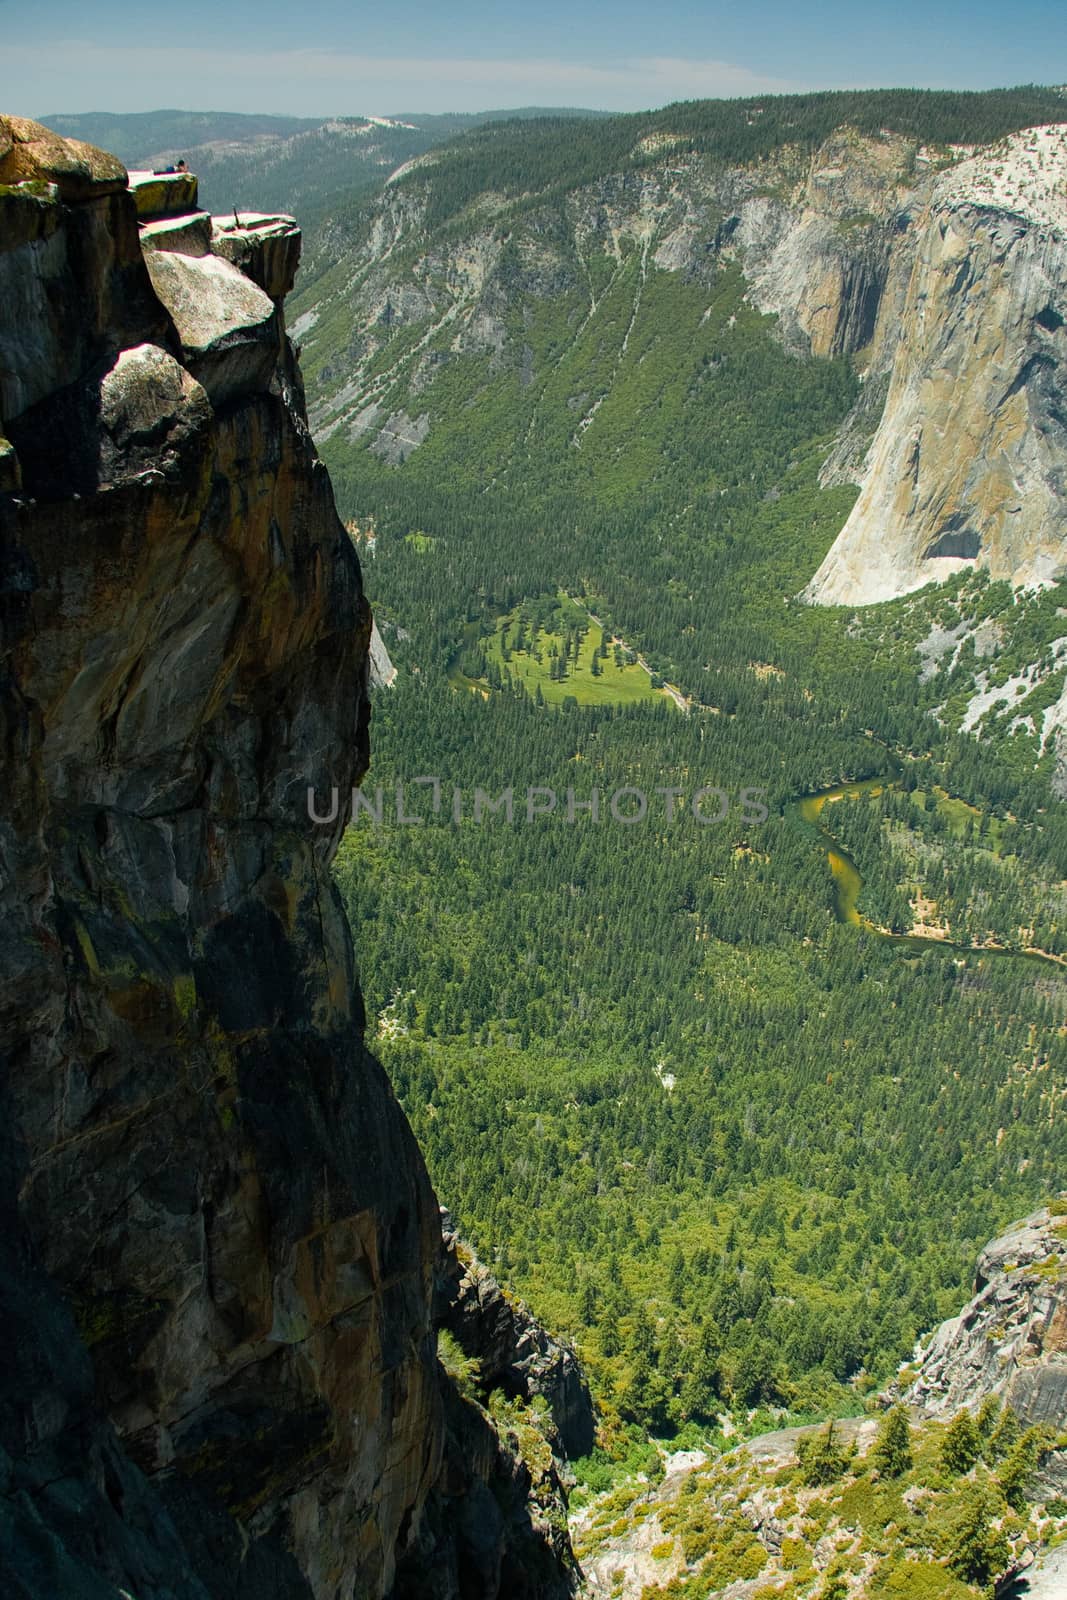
x=221 y=1255
x=818 y=254
x=969 y=463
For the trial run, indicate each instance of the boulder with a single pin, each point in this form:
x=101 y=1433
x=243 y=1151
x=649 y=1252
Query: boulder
x=30 y=151
x=146 y=397
x=227 y=326
x=28 y=213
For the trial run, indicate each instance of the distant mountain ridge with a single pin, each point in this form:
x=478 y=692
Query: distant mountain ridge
x=134 y=136
x=297 y=164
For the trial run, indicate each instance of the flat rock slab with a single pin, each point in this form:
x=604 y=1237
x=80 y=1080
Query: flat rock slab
x=382 y=671
x=30 y=151
x=227 y=326
x=188 y=235
x=1046 y=1579
x=265 y=247
x=163 y=194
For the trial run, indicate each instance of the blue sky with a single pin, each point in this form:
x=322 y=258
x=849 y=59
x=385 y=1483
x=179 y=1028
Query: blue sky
x=322 y=57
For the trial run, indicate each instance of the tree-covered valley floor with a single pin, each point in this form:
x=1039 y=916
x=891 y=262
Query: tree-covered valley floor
x=743 y=1154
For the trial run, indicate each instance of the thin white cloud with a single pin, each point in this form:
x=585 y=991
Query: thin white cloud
x=289 y=79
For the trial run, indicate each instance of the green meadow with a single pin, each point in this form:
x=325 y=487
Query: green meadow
x=561 y=652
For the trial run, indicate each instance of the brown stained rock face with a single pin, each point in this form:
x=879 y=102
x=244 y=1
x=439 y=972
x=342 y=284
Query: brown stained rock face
x=219 y=1248
x=217 y=1176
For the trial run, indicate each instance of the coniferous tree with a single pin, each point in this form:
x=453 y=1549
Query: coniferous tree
x=823 y=1460
x=892 y=1450
x=979 y=1548
x=961 y=1446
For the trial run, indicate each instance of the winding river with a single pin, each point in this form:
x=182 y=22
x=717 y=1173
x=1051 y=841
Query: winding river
x=848 y=880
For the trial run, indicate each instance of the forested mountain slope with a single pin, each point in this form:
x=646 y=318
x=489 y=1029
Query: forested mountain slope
x=551 y=297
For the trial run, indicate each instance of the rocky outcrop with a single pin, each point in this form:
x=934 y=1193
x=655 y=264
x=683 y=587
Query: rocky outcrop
x=162 y=194
x=30 y=153
x=220 y=1250
x=514 y=1352
x=72 y=278
x=969 y=463
x=496 y=1518
x=1011 y=1339
x=266 y=248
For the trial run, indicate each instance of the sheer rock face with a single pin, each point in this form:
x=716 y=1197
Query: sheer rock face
x=1011 y=1339
x=202 y=1171
x=969 y=463
x=820 y=259
x=73 y=285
